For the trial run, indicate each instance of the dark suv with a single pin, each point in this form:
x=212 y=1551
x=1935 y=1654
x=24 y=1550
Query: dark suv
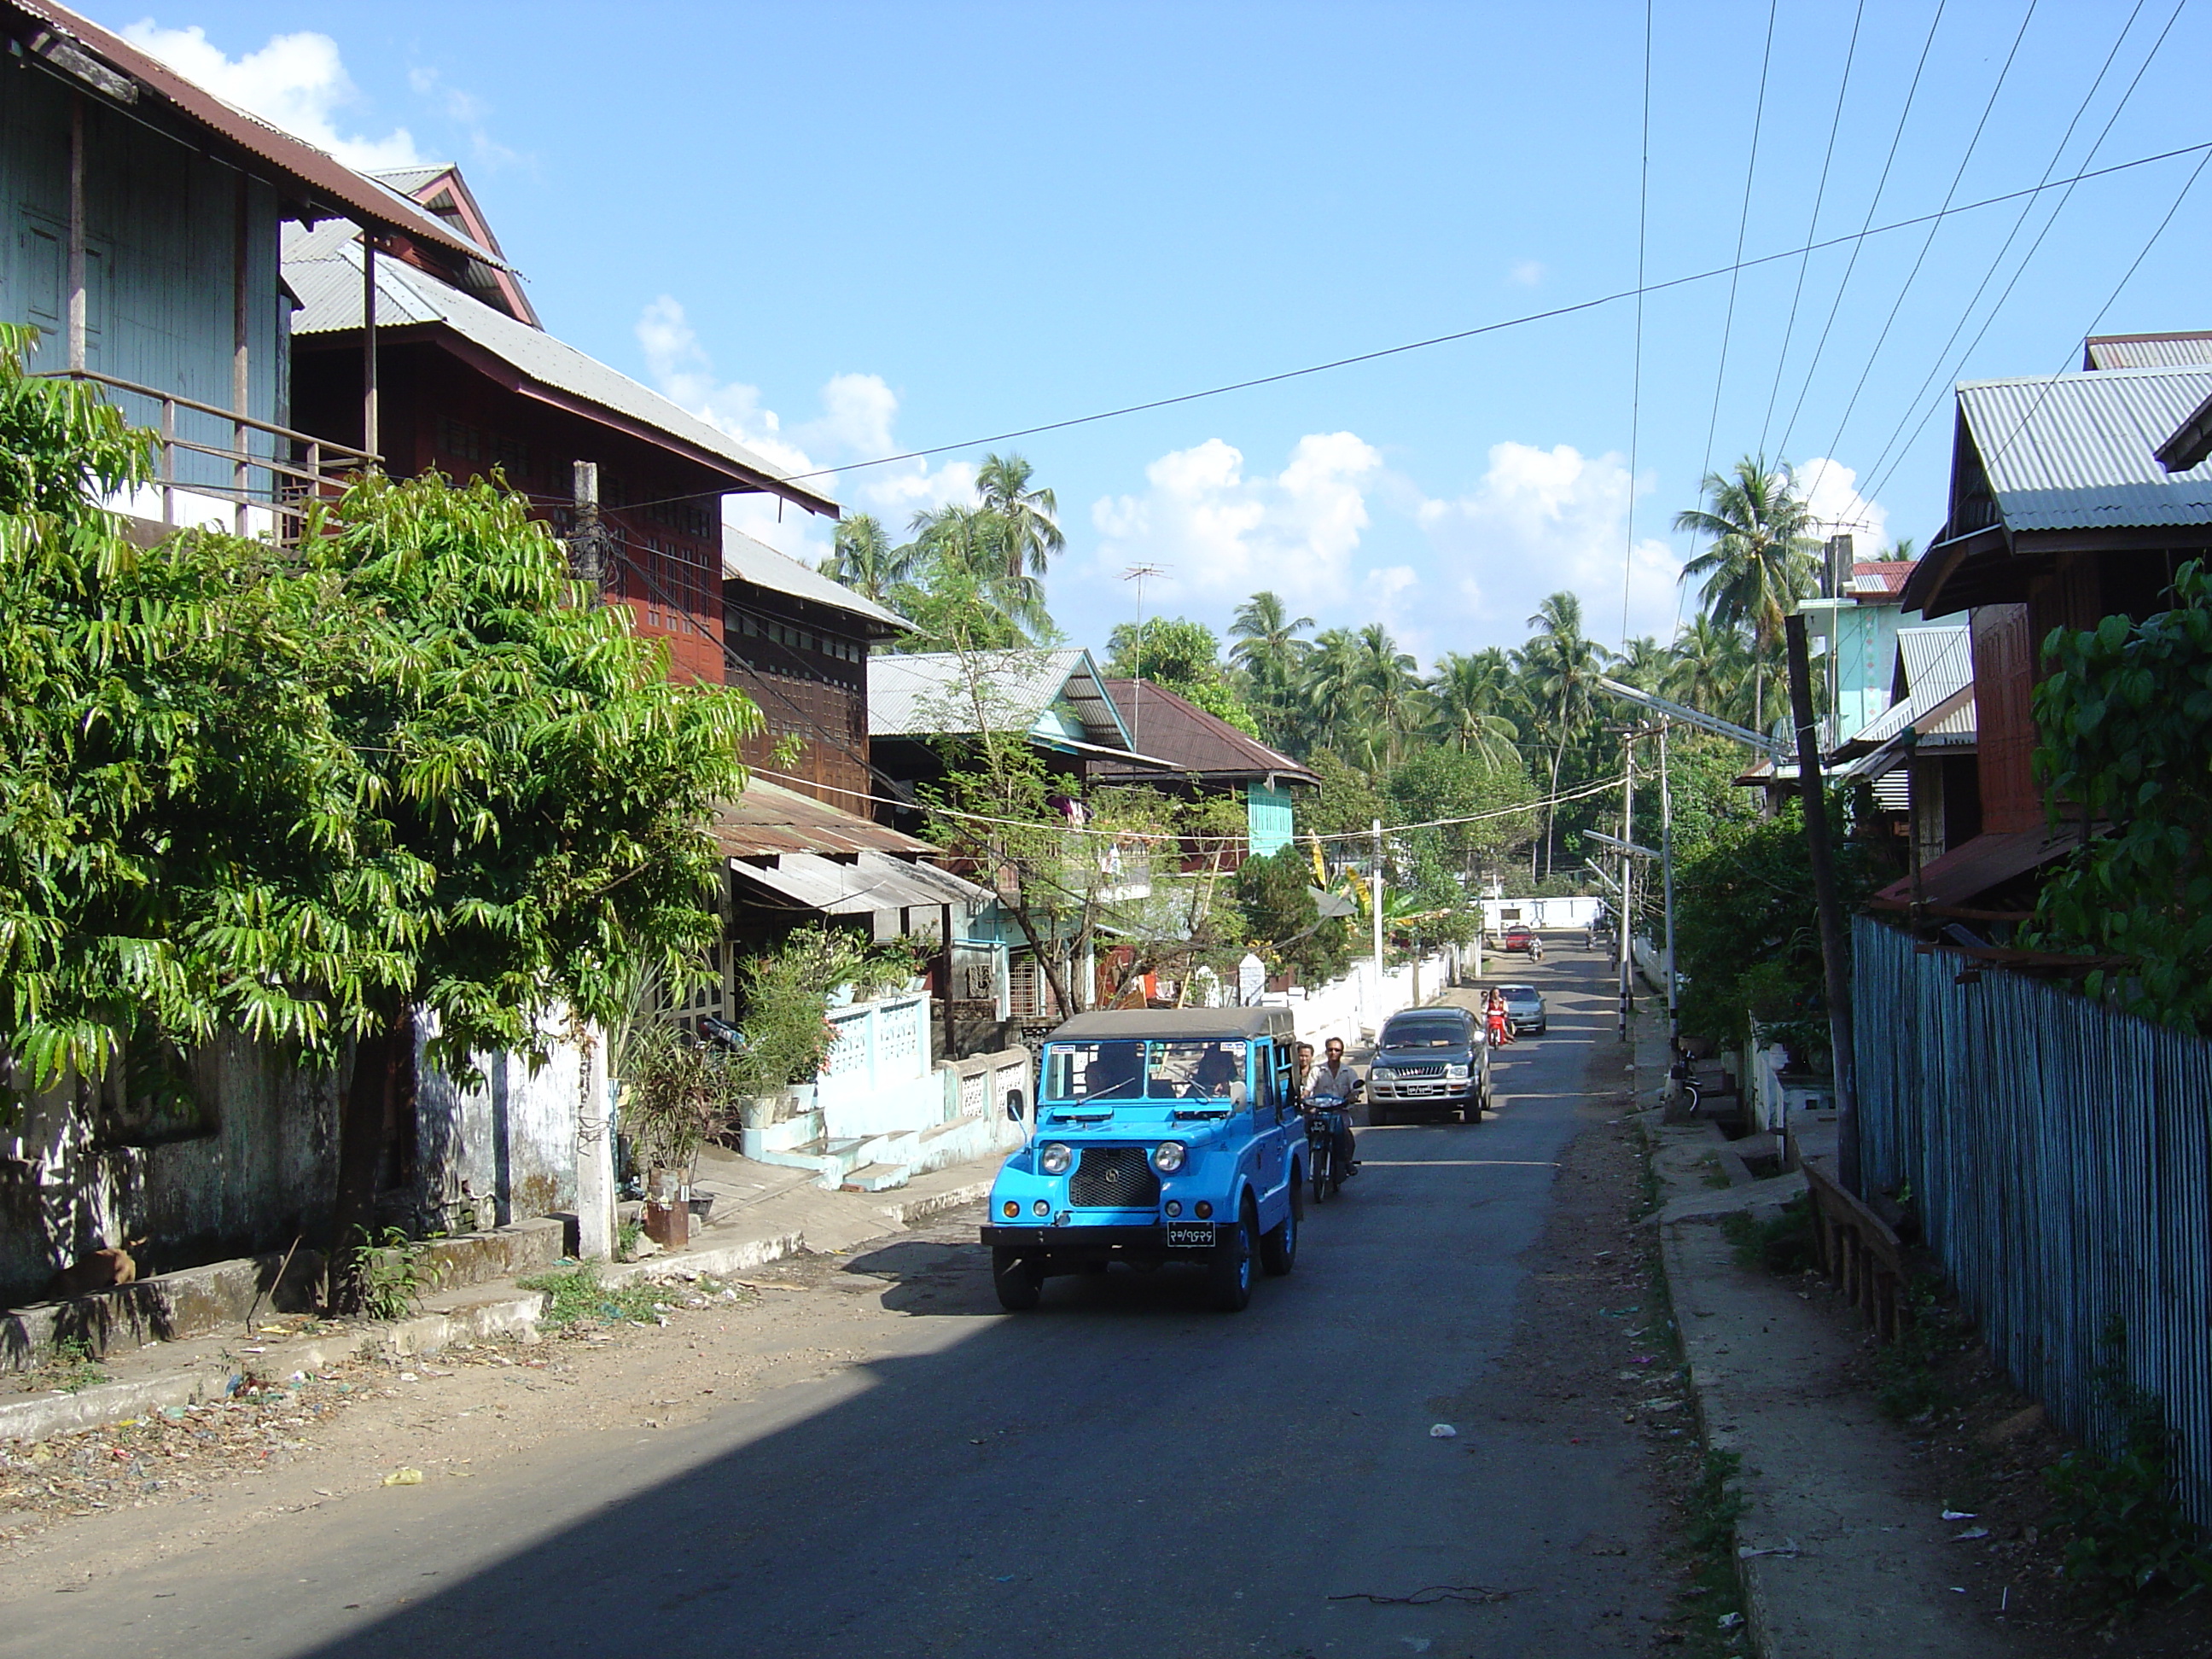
x=1432 y=1062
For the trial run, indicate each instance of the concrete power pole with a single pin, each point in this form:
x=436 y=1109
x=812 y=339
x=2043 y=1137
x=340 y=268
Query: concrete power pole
x=1835 y=947
x=1667 y=880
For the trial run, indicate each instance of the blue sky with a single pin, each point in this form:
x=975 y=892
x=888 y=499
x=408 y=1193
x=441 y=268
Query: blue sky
x=843 y=230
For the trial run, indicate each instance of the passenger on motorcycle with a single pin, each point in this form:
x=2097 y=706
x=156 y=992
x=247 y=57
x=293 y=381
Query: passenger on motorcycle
x=1335 y=1078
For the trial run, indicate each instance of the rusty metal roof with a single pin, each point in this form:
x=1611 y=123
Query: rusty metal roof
x=768 y=821
x=319 y=178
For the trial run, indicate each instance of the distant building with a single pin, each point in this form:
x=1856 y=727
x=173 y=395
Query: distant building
x=1192 y=752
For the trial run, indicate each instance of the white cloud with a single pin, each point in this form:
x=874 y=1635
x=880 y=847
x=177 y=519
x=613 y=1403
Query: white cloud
x=1831 y=491
x=298 y=81
x=1544 y=519
x=1526 y=272
x=1224 y=533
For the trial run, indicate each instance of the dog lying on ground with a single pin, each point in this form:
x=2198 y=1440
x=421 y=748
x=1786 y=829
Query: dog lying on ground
x=95 y=1270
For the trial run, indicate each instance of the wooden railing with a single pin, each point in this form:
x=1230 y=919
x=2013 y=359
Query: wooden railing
x=1859 y=1251
x=299 y=468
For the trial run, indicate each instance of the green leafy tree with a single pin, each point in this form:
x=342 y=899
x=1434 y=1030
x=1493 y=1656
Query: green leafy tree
x=1442 y=782
x=1183 y=656
x=2124 y=715
x=1276 y=895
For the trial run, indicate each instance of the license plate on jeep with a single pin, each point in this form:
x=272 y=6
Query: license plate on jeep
x=1190 y=1235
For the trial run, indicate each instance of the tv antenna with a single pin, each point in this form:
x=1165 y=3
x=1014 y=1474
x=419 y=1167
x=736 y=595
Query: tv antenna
x=1138 y=574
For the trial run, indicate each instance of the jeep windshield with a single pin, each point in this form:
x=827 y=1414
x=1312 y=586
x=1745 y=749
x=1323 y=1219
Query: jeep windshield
x=1129 y=1070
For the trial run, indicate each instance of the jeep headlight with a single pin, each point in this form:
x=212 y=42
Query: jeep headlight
x=1055 y=1157
x=1454 y=1073
x=1167 y=1156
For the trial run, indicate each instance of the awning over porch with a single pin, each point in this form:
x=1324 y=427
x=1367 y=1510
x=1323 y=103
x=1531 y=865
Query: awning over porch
x=858 y=885
x=1986 y=861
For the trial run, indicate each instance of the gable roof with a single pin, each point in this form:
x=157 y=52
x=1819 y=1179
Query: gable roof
x=319 y=183
x=2079 y=451
x=443 y=193
x=1172 y=728
x=747 y=559
x=324 y=267
x=927 y=695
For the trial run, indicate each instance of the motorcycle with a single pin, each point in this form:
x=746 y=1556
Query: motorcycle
x=1327 y=1118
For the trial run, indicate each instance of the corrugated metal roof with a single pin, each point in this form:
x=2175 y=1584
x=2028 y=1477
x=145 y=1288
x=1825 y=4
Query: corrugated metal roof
x=324 y=268
x=927 y=693
x=1173 y=729
x=871 y=882
x=1937 y=660
x=767 y=820
x=2147 y=350
x=2079 y=451
x=313 y=173
x=1880 y=576
x=748 y=560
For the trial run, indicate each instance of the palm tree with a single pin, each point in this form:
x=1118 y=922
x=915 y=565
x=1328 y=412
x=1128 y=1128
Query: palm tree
x=1712 y=669
x=1031 y=536
x=970 y=542
x=1763 y=559
x=1562 y=667
x=1392 y=681
x=1330 y=696
x=1268 y=651
x=1470 y=696
x=1644 y=662
x=864 y=560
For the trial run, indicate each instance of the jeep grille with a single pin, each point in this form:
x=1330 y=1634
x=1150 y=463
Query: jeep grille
x=1114 y=1178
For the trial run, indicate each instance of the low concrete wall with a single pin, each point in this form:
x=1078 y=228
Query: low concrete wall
x=1355 y=1006
x=168 y=1308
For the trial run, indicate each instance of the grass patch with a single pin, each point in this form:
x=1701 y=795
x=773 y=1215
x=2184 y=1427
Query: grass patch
x=71 y=1369
x=575 y=1298
x=1909 y=1381
x=1783 y=1243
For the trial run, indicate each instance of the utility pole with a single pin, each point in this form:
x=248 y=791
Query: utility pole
x=1375 y=896
x=587 y=541
x=1667 y=880
x=1627 y=880
x=1834 y=949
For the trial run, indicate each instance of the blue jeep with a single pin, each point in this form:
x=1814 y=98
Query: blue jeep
x=1160 y=1136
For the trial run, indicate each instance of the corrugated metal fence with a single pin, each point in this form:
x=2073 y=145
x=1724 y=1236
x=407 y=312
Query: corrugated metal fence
x=2060 y=1157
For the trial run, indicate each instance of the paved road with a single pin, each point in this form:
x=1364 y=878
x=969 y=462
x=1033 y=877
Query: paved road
x=1121 y=1473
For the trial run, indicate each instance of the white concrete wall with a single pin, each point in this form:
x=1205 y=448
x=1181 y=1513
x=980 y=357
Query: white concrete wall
x=881 y=1077
x=1575 y=912
x=1355 y=1006
x=508 y=1144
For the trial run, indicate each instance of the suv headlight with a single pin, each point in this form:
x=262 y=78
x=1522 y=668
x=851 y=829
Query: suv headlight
x=1454 y=1073
x=1167 y=1156
x=1381 y=1074
x=1056 y=1158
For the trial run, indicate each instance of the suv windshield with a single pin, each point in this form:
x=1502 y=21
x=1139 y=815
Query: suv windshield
x=1129 y=1069
x=1425 y=1034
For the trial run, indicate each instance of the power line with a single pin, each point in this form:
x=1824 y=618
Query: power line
x=1813 y=225
x=1881 y=184
x=1636 y=375
x=1742 y=225
x=1504 y=324
x=1990 y=462
x=1884 y=466
x=1929 y=241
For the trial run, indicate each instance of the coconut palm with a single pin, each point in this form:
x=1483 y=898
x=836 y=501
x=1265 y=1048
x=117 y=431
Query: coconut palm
x=1269 y=652
x=1391 y=681
x=1711 y=669
x=1030 y=538
x=1560 y=666
x=1330 y=696
x=1763 y=557
x=1470 y=696
x=864 y=560
x=969 y=542
x=1644 y=662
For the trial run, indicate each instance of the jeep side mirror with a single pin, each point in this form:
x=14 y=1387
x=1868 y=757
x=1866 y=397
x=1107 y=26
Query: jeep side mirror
x=1014 y=1104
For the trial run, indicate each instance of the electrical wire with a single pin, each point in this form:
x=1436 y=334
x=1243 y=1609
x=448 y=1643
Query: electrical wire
x=1572 y=309
x=1887 y=463
x=1897 y=138
x=1929 y=241
x=1813 y=225
x=1735 y=270
x=1990 y=462
x=1562 y=798
x=1636 y=374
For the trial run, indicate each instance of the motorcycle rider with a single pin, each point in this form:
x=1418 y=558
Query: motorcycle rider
x=1334 y=1077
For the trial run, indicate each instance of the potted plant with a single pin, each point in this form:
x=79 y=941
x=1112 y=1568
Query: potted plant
x=675 y=1092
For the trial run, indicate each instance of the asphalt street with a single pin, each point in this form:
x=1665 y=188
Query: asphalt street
x=1120 y=1472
